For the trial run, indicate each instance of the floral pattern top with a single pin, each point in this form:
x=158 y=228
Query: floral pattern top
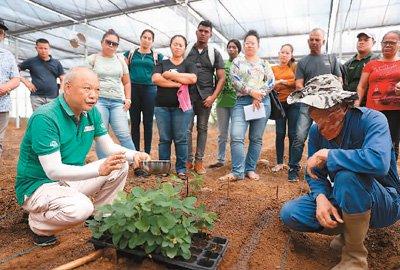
x=8 y=70
x=251 y=76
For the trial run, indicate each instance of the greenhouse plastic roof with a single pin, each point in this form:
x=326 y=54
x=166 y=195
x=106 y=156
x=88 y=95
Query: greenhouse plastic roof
x=278 y=22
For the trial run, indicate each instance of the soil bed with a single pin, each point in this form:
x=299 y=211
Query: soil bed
x=248 y=218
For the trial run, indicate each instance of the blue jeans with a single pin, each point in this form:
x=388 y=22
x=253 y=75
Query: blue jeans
x=113 y=113
x=303 y=125
x=143 y=101
x=172 y=125
x=223 y=118
x=240 y=162
x=352 y=193
x=291 y=119
x=203 y=114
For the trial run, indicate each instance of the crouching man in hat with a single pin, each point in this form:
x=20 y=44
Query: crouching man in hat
x=351 y=172
x=53 y=183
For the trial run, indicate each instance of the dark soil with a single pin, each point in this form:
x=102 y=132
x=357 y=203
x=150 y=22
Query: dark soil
x=248 y=218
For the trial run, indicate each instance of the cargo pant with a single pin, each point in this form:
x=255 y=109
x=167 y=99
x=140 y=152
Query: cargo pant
x=56 y=206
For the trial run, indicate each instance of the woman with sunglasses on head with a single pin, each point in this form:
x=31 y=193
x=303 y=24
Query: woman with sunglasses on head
x=172 y=113
x=284 y=85
x=253 y=79
x=115 y=89
x=378 y=82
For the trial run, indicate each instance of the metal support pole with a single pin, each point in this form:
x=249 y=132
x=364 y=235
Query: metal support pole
x=17 y=120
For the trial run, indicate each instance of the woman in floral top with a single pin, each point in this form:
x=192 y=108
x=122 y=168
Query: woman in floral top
x=252 y=79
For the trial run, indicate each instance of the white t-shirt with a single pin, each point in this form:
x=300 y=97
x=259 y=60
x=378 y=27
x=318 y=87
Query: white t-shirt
x=110 y=71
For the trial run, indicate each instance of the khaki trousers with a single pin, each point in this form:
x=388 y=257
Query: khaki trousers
x=54 y=207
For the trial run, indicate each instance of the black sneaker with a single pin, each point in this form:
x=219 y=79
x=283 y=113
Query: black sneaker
x=216 y=165
x=141 y=173
x=44 y=240
x=293 y=175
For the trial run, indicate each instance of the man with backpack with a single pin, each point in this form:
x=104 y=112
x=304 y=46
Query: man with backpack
x=209 y=62
x=44 y=71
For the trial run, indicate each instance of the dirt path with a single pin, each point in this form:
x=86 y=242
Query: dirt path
x=249 y=218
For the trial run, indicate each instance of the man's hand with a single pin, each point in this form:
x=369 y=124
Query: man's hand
x=325 y=211
x=30 y=86
x=397 y=89
x=317 y=160
x=113 y=162
x=138 y=157
x=208 y=102
x=3 y=90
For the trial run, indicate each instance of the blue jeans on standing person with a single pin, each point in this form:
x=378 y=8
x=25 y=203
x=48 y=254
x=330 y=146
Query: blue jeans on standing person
x=172 y=125
x=280 y=127
x=203 y=114
x=242 y=163
x=303 y=125
x=352 y=193
x=143 y=101
x=223 y=118
x=113 y=114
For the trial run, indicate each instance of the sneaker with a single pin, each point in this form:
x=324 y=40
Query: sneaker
x=182 y=176
x=199 y=167
x=293 y=175
x=44 y=240
x=141 y=173
x=189 y=165
x=216 y=165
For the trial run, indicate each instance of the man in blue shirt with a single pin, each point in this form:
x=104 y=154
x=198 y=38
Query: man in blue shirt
x=44 y=71
x=351 y=172
x=9 y=80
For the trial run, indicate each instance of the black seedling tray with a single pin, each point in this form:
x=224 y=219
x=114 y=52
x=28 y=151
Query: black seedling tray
x=207 y=252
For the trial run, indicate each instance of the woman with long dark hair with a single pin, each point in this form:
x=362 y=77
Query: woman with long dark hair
x=172 y=114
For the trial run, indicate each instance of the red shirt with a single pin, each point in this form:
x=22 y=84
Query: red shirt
x=383 y=77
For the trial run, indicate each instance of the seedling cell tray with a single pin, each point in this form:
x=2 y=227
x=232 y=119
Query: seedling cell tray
x=207 y=252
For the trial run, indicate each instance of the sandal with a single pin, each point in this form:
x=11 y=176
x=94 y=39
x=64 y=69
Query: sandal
x=229 y=177
x=252 y=175
x=277 y=168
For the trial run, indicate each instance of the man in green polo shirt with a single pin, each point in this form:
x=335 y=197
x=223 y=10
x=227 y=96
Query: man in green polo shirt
x=354 y=66
x=53 y=182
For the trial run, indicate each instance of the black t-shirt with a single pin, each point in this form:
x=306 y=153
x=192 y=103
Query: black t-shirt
x=166 y=97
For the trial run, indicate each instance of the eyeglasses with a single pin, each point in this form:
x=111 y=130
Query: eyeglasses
x=389 y=43
x=111 y=43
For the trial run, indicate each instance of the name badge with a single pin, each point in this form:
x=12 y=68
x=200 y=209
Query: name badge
x=88 y=128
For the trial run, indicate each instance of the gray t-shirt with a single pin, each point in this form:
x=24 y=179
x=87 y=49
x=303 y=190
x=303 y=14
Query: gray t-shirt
x=110 y=71
x=314 y=65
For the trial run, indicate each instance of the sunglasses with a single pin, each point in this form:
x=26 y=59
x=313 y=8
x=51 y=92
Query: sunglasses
x=388 y=43
x=111 y=43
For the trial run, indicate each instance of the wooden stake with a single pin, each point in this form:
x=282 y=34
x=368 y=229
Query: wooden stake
x=81 y=261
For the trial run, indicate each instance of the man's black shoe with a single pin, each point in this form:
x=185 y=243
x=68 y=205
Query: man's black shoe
x=44 y=240
x=216 y=165
x=293 y=175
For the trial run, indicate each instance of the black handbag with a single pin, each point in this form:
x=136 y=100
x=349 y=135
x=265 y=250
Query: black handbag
x=277 y=110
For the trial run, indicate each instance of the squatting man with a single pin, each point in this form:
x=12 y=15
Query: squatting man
x=53 y=183
x=351 y=171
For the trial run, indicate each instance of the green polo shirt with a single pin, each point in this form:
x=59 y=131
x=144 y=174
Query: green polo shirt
x=53 y=127
x=353 y=68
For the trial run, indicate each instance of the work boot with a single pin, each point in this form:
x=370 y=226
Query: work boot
x=354 y=253
x=189 y=165
x=199 y=168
